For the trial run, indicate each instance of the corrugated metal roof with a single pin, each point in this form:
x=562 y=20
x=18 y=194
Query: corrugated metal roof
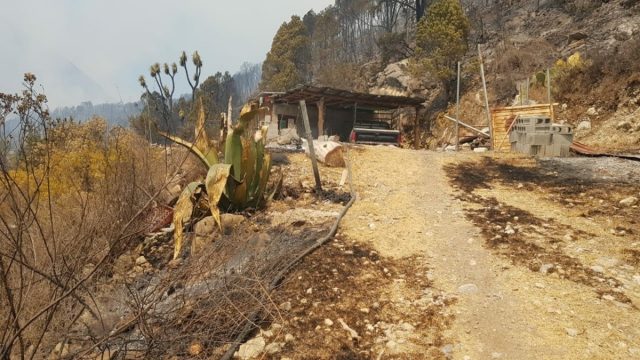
x=344 y=98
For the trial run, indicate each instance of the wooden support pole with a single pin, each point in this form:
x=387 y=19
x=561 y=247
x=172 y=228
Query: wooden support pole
x=321 y=111
x=549 y=100
x=486 y=96
x=312 y=153
x=355 y=114
x=458 y=109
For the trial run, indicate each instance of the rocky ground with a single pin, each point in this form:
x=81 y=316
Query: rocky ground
x=492 y=256
x=443 y=255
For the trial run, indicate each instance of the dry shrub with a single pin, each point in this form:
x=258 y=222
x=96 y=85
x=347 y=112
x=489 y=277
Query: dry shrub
x=72 y=197
x=604 y=78
x=517 y=63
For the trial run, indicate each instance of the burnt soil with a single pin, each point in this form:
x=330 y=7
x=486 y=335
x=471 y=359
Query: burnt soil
x=350 y=281
x=533 y=241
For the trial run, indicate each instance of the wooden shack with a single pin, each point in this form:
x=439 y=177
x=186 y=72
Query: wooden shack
x=333 y=111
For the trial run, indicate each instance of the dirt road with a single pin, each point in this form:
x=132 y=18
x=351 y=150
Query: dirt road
x=494 y=257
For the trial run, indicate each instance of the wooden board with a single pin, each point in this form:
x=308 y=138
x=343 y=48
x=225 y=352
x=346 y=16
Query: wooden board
x=503 y=117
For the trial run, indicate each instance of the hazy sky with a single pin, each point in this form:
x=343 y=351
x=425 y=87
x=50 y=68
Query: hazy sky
x=95 y=50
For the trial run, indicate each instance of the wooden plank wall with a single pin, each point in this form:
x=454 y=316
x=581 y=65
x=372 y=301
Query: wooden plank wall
x=503 y=117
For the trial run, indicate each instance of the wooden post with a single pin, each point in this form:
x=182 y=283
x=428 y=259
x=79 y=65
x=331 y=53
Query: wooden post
x=416 y=131
x=355 y=114
x=312 y=153
x=549 y=86
x=521 y=93
x=321 y=111
x=486 y=96
x=549 y=99
x=458 y=109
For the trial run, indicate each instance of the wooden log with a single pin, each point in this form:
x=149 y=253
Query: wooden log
x=330 y=153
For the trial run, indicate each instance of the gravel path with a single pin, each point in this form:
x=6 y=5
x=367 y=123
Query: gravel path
x=505 y=307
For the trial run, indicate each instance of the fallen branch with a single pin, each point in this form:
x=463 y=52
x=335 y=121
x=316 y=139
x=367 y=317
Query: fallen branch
x=280 y=276
x=468 y=126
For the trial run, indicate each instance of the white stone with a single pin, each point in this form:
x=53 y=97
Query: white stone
x=468 y=289
x=286 y=306
x=630 y=201
x=328 y=322
x=509 y=230
x=288 y=338
x=480 y=150
x=571 y=332
x=544 y=269
x=141 y=260
x=598 y=269
x=584 y=126
x=592 y=111
x=273 y=348
x=252 y=348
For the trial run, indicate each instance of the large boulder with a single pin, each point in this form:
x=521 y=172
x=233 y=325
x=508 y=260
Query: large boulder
x=395 y=80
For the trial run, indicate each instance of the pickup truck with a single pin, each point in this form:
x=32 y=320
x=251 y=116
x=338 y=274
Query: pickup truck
x=375 y=132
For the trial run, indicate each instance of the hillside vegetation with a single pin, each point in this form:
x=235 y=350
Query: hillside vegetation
x=411 y=48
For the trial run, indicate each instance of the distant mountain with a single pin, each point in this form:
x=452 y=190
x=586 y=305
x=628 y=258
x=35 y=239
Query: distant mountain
x=116 y=114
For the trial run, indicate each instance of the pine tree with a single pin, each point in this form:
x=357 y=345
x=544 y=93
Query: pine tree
x=441 y=41
x=287 y=63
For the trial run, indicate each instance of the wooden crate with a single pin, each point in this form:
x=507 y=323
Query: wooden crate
x=503 y=117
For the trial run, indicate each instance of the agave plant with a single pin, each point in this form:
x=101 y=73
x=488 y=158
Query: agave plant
x=238 y=183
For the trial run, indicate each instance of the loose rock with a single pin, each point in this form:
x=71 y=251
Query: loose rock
x=286 y=306
x=571 y=332
x=273 y=348
x=544 y=269
x=468 y=289
x=252 y=348
x=141 y=260
x=597 y=268
x=630 y=201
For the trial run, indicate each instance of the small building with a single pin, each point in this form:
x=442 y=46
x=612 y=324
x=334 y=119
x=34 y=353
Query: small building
x=331 y=111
